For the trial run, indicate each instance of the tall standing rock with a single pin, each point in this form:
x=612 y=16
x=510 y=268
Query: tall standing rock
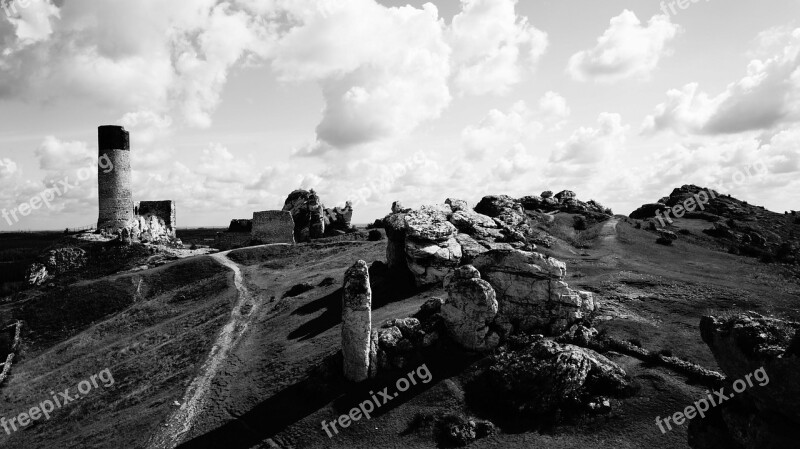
x=356 y=322
x=316 y=216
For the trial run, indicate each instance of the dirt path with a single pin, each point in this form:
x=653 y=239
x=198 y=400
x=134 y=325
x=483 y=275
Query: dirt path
x=175 y=429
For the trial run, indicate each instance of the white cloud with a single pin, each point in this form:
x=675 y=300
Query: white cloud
x=149 y=55
x=383 y=71
x=57 y=155
x=487 y=38
x=500 y=131
x=589 y=146
x=763 y=100
x=8 y=168
x=627 y=49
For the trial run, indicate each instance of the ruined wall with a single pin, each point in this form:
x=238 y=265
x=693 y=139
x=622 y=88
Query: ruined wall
x=273 y=226
x=230 y=240
x=163 y=210
x=241 y=225
x=114 y=187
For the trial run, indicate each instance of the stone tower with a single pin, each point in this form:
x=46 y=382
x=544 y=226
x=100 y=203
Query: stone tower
x=114 y=184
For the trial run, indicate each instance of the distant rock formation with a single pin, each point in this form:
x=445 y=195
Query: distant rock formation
x=761 y=358
x=356 y=322
x=312 y=220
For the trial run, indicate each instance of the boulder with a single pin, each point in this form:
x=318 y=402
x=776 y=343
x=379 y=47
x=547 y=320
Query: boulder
x=397 y=208
x=565 y=195
x=470 y=310
x=470 y=248
x=429 y=223
x=62 y=260
x=539 y=376
x=457 y=205
x=472 y=222
x=429 y=261
x=356 y=322
x=759 y=354
x=546 y=194
x=494 y=205
x=531 y=293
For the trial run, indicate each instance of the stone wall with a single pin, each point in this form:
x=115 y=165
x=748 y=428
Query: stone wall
x=164 y=210
x=241 y=225
x=273 y=226
x=230 y=240
x=114 y=185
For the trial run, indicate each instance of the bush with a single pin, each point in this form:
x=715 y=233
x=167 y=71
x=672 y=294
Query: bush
x=580 y=224
x=375 y=235
x=193 y=247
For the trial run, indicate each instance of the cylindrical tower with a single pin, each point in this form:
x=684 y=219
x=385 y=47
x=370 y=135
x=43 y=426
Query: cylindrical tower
x=114 y=178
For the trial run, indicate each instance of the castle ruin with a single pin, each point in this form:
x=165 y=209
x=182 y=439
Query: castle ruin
x=145 y=221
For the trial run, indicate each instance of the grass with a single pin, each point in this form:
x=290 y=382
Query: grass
x=563 y=227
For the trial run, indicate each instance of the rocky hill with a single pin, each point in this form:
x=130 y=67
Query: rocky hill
x=736 y=225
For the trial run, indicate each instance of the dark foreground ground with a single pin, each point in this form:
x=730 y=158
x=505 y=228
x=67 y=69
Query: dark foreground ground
x=153 y=330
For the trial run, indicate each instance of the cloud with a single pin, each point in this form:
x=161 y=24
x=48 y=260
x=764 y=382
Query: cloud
x=490 y=42
x=500 y=131
x=627 y=49
x=8 y=168
x=382 y=71
x=767 y=97
x=589 y=146
x=57 y=155
x=164 y=58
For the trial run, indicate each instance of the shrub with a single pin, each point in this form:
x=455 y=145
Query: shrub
x=375 y=235
x=580 y=223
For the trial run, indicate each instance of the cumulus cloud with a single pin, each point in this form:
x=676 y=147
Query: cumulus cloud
x=382 y=71
x=166 y=58
x=57 y=155
x=499 y=131
x=8 y=168
x=492 y=46
x=627 y=49
x=767 y=97
x=591 y=145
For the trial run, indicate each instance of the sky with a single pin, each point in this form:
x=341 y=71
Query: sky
x=233 y=104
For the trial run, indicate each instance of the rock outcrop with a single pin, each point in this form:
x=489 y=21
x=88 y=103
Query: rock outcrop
x=760 y=356
x=531 y=293
x=470 y=310
x=54 y=263
x=357 y=322
x=537 y=376
x=312 y=220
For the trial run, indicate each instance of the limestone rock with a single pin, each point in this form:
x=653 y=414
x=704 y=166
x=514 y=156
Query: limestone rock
x=429 y=223
x=565 y=195
x=541 y=376
x=494 y=205
x=429 y=262
x=470 y=310
x=457 y=205
x=62 y=260
x=397 y=208
x=36 y=274
x=471 y=222
x=470 y=248
x=766 y=414
x=530 y=291
x=547 y=194
x=356 y=322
